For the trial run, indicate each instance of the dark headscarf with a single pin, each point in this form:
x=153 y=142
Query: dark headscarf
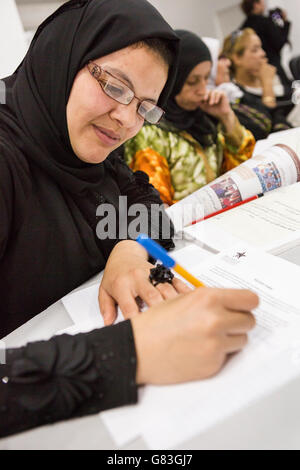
x=79 y=31
x=48 y=197
x=193 y=51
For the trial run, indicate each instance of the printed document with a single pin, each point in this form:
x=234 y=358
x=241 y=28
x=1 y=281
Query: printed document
x=276 y=167
x=271 y=223
x=167 y=416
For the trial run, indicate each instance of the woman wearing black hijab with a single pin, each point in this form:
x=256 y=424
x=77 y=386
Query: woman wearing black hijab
x=200 y=137
x=51 y=127
x=56 y=131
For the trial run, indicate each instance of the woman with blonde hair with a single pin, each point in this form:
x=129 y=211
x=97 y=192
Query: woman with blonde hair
x=259 y=108
x=272 y=29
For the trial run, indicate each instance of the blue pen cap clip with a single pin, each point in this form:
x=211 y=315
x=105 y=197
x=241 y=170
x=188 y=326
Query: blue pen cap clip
x=156 y=251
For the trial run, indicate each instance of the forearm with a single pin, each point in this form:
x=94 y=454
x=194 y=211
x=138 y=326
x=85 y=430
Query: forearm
x=67 y=377
x=268 y=97
x=238 y=146
x=234 y=156
x=133 y=247
x=233 y=131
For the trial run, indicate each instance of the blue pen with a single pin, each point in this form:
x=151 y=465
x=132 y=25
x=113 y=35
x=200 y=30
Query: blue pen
x=159 y=253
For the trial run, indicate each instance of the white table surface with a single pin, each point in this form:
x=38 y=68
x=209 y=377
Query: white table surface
x=271 y=423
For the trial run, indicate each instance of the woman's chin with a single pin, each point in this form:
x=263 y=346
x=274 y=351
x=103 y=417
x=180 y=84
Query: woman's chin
x=94 y=159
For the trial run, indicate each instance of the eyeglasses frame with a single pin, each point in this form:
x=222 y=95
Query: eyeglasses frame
x=99 y=80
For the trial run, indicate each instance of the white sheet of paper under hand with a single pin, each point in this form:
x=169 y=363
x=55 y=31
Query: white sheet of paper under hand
x=83 y=308
x=167 y=416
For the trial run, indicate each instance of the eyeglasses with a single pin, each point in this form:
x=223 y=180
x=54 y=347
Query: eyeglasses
x=118 y=91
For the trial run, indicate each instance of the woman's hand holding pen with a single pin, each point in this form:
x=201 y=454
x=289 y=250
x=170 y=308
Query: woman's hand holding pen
x=189 y=337
x=126 y=277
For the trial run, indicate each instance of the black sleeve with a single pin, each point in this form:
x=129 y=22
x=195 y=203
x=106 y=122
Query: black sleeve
x=138 y=190
x=67 y=377
x=6 y=205
x=14 y=189
x=279 y=120
x=278 y=37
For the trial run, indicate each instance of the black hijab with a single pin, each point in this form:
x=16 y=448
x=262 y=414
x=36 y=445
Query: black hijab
x=79 y=31
x=193 y=51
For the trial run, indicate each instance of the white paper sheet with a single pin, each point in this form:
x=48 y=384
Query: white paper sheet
x=167 y=416
x=83 y=308
x=268 y=223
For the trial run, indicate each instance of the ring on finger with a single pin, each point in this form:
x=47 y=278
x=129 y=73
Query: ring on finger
x=161 y=275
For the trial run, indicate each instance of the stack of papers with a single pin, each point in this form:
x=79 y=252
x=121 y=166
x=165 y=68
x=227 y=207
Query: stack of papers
x=169 y=415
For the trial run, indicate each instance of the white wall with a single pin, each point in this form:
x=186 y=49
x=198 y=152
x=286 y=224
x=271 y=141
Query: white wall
x=12 y=39
x=33 y=12
x=200 y=16
x=204 y=17
x=219 y=17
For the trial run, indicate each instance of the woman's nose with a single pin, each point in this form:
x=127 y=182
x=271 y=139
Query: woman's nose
x=263 y=54
x=126 y=115
x=201 y=89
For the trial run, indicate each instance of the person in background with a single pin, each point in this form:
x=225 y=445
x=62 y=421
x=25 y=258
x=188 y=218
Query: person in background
x=64 y=115
x=220 y=77
x=259 y=108
x=200 y=136
x=272 y=33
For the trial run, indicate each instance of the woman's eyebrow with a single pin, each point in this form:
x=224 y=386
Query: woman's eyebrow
x=124 y=77
x=194 y=77
x=121 y=75
x=198 y=76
